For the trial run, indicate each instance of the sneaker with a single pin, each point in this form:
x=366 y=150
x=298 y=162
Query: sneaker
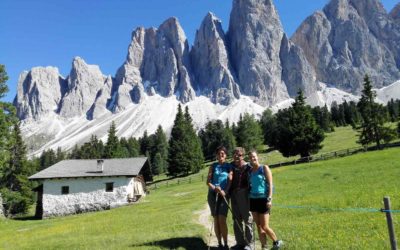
x=277 y=244
x=247 y=247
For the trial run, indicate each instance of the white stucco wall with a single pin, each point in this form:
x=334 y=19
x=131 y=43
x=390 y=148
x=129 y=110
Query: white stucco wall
x=85 y=194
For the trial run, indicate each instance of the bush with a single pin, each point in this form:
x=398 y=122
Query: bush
x=15 y=203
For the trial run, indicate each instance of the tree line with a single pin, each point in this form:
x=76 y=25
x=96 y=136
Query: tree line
x=297 y=130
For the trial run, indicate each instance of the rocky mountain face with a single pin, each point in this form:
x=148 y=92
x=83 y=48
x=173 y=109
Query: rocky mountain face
x=349 y=39
x=254 y=58
x=212 y=70
x=251 y=66
x=395 y=13
x=39 y=92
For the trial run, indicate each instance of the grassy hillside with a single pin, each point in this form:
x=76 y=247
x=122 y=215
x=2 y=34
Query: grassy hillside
x=166 y=219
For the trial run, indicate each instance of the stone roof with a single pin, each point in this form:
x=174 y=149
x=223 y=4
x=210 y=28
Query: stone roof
x=91 y=168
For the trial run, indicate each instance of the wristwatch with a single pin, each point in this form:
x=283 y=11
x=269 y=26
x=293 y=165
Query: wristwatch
x=269 y=199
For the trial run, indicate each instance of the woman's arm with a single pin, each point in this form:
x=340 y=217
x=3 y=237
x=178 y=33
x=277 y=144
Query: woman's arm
x=268 y=176
x=209 y=178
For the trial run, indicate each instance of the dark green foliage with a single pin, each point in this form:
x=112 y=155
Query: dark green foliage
x=47 y=159
x=3 y=80
x=113 y=147
x=298 y=133
x=393 y=110
x=158 y=151
x=216 y=134
x=14 y=168
x=322 y=117
x=269 y=127
x=145 y=143
x=94 y=149
x=15 y=202
x=130 y=147
x=373 y=117
x=184 y=155
x=248 y=132
x=16 y=188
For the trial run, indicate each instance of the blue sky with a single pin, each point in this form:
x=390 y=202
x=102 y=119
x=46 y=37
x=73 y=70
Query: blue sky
x=53 y=32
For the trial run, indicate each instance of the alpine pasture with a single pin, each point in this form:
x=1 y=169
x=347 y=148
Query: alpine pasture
x=330 y=204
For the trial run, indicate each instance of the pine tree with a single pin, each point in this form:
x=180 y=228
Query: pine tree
x=60 y=155
x=298 y=133
x=16 y=188
x=47 y=158
x=159 y=151
x=248 y=132
x=145 y=143
x=113 y=147
x=216 y=134
x=93 y=149
x=184 y=153
x=269 y=127
x=373 y=116
x=3 y=80
x=194 y=151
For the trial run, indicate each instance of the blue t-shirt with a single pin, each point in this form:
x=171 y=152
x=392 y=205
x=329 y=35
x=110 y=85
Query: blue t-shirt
x=259 y=187
x=220 y=174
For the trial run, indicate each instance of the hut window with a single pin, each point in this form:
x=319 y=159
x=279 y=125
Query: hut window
x=109 y=186
x=65 y=190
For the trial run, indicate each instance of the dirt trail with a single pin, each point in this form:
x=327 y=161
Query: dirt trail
x=204 y=219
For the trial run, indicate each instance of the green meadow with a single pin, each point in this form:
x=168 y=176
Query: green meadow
x=321 y=205
x=330 y=204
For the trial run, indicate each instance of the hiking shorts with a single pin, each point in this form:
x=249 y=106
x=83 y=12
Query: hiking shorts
x=217 y=206
x=259 y=205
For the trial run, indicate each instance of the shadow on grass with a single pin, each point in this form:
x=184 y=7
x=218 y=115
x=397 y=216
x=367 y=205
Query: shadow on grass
x=190 y=243
x=24 y=218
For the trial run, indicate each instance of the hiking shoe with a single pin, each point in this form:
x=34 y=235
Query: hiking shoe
x=277 y=244
x=237 y=247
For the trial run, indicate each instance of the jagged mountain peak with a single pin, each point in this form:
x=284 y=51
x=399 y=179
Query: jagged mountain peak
x=395 y=13
x=348 y=40
x=213 y=72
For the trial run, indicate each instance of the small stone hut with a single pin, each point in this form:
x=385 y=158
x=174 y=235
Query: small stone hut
x=77 y=186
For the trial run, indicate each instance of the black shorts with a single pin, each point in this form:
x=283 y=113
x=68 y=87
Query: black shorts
x=217 y=206
x=259 y=205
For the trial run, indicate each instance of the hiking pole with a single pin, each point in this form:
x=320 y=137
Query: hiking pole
x=237 y=223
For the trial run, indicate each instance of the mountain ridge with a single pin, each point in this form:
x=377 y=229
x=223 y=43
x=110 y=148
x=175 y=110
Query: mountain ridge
x=254 y=61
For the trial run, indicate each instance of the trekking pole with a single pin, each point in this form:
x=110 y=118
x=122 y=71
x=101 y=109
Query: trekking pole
x=237 y=223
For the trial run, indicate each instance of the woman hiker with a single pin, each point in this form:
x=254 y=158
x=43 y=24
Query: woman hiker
x=218 y=182
x=261 y=200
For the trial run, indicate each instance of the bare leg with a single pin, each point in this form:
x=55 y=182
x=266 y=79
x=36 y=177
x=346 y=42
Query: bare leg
x=264 y=222
x=217 y=229
x=261 y=232
x=223 y=228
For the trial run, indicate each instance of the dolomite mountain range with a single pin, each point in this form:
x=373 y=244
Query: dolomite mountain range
x=250 y=66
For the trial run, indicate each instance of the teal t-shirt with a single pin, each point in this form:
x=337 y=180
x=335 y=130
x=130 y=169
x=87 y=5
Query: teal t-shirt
x=258 y=186
x=220 y=174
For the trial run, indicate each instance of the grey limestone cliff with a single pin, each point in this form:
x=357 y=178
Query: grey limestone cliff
x=297 y=72
x=158 y=61
x=255 y=35
x=395 y=13
x=39 y=92
x=211 y=66
x=84 y=83
x=349 y=39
